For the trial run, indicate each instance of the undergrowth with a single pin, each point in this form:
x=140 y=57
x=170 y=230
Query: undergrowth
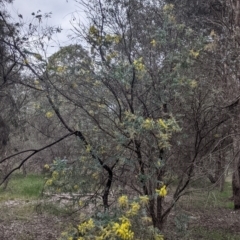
x=23 y=187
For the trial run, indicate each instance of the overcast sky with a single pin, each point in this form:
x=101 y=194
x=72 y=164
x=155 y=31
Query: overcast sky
x=62 y=12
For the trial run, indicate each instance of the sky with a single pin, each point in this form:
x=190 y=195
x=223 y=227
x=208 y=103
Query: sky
x=62 y=14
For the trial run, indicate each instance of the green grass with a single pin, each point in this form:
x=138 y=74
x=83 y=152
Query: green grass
x=23 y=187
x=215 y=198
x=204 y=198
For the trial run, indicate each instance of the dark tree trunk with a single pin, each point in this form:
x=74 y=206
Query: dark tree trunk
x=236 y=174
x=236 y=186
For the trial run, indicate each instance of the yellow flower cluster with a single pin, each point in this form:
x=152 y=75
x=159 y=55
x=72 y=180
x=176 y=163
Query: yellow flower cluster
x=93 y=30
x=117 y=39
x=46 y=166
x=134 y=209
x=193 y=84
x=144 y=199
x=158 y=237
x=113 y=38
x=148 y=124
x=123 y=230
x=55 y=175
x=162 y=192
x=111 y=56
x=162 y=124
x=122 y=227
x=60 y=69
x=86 y=226
x=49 y=114
x=153 y=43
x=37 y=105
x=146 y=219
x=81 y=203
x=213 y=34
x=49 y=182
x=123 y=201
x=138 y=64
x=75 y=187
x=130 y=116
x=193 y=53
x=88 y=148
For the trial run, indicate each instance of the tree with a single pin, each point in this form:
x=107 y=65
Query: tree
x=137 y=76
x=126 y=102
x=221 y=19
x=9 y=73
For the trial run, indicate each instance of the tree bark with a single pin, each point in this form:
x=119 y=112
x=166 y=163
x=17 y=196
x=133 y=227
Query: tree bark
x=236 y=174
x=220 y=170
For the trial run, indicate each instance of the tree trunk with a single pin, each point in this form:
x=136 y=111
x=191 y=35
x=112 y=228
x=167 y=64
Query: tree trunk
x=24 y=170
x=220 y=171
x=218 y=178
x=236 y=190
x=236 y=174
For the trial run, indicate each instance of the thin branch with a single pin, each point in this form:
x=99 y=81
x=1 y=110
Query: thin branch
x=35 y=151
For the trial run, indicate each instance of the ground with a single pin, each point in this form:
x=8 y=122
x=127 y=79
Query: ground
x=200 y=215
x=214 y=224
x=20 y=220
x=205 y=215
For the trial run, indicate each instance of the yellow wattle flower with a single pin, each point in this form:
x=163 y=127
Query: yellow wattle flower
x=153 y=43
x=49 y=114
x=123 y=201
x=193 y=53
x=46 y=166
x=122 y=229
x=144 y=199
x=134 y=209
x=162 y=192
x=162 y=123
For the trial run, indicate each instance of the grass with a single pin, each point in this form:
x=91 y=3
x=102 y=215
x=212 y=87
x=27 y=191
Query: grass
x=215 y=198
x=22 y=187
x=23 y=216
x=213 y=234
x=202 y=198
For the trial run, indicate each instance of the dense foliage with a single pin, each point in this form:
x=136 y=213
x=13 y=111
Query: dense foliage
x=147 y=106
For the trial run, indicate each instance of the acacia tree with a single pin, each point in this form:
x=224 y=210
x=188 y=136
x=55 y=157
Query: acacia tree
x=134 y=84
x=126 y=100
